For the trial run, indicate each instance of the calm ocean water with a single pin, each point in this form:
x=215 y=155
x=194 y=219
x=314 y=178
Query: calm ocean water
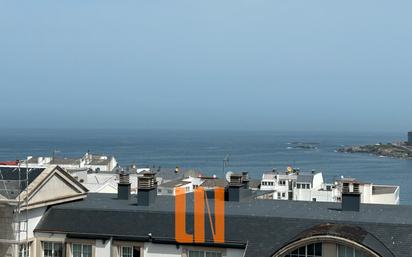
x=205 y=150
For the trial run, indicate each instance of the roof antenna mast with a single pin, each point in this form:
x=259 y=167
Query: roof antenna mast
x=225 y=163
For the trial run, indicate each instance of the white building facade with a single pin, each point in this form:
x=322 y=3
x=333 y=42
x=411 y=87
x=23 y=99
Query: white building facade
x=52 y=185
x=294 y=185
x=60 y=245
x=94 y=162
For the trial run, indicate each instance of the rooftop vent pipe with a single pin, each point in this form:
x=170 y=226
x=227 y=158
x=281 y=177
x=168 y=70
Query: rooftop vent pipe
x=146 y=189
x=351 y=201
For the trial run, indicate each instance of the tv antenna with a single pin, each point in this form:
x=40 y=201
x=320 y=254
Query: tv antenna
x=226 y=162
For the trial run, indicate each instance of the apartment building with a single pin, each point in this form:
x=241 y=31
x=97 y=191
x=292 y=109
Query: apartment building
x=25 y=195
x=104 y=225
x=310 y=186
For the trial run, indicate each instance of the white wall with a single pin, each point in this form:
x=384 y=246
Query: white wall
x=366 y=191
x=302 y=194
x=33 y=216
x=107 y=189
x=323 y=196
x=385 y=199
x=234 y=252
x=103 y=248
x=161 y=250
x=318 y=181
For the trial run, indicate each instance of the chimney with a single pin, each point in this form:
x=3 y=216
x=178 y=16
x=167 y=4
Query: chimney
x=236 y=189
x=245 y=179
x=351 y=201
x=146 y=189
x=123 y=188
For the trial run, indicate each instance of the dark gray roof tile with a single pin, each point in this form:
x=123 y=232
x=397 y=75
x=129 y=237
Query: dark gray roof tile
x=265 y=225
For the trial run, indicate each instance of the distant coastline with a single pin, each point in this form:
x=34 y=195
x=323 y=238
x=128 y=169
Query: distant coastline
x=393 y=150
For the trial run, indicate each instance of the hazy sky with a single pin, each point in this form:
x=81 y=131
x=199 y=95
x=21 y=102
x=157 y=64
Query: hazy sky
x=215 y=64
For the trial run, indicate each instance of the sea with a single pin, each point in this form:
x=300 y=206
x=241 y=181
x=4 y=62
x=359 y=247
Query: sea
x=252 y=151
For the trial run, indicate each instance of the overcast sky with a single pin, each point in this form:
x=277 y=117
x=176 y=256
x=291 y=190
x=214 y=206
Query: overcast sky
x=235 y=64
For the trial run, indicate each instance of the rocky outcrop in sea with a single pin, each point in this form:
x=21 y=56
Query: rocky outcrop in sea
x=393 y=150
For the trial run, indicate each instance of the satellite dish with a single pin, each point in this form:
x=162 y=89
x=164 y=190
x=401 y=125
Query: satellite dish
x=228 y=175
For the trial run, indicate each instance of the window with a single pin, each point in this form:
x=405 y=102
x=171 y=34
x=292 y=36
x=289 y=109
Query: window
x=129 y=251
x=345 y=251
x=204 y=254
x=311 y=250
x=298 y=186
x=24 y=250
x=196 y=254
x=80 y=250
x=283 y=195
x=213 y=254
x=315 y=250
x=345 y=187
x=52 y=249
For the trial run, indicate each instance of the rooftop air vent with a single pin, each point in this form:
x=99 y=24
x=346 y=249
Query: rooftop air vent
x=123 y=187
x=238 y=187
x=146 y=189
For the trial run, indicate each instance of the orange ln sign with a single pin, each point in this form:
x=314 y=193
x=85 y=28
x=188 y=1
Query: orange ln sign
x=200 y=203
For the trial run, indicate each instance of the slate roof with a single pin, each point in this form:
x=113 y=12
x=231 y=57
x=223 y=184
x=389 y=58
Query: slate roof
x=214 y=182
x=65 y=161
x=10 y=187
x=265 y=225
x=254 y=183
x=304 y=178
x=351 y=180
x=168 y=174
x=174 y=183
x=100 y=160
